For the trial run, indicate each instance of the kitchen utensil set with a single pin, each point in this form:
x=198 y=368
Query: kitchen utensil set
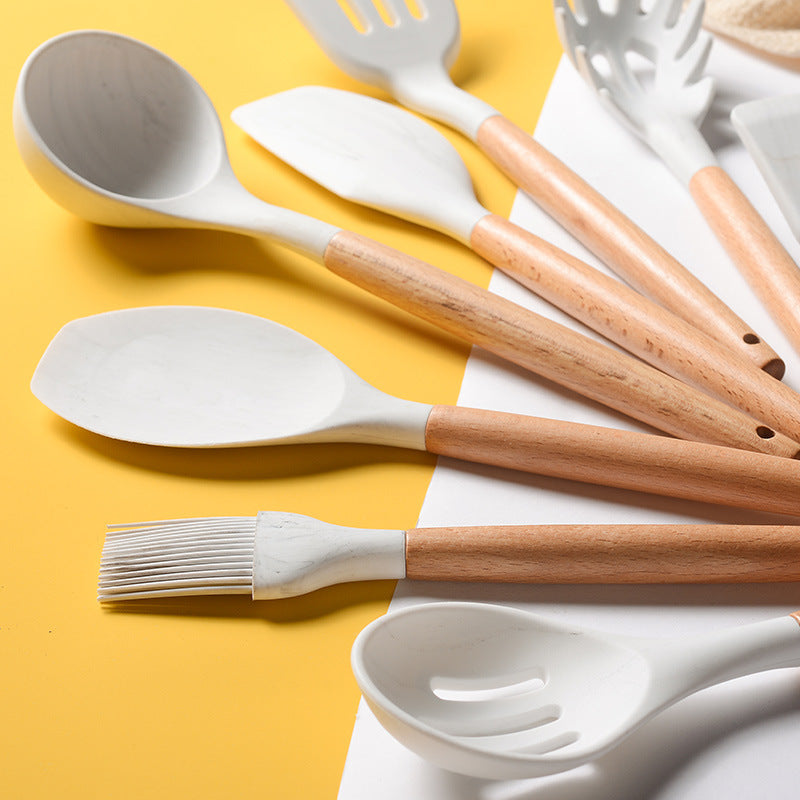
x=409 y=59
x=384 y=157
x=182 y=178
x=483 y=690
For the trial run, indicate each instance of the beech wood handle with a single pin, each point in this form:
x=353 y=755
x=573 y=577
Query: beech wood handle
x=616 y=239
x=606 y=554
x=547 y=348
x=753 y=247
x=611 y=457
x=636 y=323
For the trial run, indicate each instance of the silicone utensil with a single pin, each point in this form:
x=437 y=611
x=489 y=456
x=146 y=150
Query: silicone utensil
x=497 y=692
x=410 y=57
x=205 y=377
x=277 y=554
x=770 y=130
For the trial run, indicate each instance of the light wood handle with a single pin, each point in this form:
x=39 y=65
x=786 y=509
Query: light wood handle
x=546 y=348
x=605 y=554
x=753 y=247
x=610 y=457
x=637 y=324
x=616 y=240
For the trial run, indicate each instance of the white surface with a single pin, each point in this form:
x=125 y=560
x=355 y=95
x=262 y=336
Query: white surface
x=738 y=740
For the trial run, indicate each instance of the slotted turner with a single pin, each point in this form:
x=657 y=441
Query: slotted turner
x=410 y=60
x=647 y=69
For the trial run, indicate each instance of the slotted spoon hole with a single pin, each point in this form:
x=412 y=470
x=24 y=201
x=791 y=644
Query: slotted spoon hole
x=487 y=707
x=641 y=66
x=541 y=747
x=530 y=740
x=386 y=11
x=472 y=690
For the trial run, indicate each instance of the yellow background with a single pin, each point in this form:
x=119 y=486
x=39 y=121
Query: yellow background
x=208 y=697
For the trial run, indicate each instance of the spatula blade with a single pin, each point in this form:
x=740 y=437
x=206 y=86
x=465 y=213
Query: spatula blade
x=770 y=130
x=369 y=152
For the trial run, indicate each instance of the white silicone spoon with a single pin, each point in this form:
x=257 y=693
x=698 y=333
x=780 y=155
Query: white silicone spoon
x=380 y=155
x=409 y=57
x=207 y=377
x=500 y=693
x=665 y=105
x=122 y=135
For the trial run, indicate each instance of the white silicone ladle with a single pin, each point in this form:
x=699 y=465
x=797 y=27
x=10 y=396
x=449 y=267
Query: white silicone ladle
x=500 y=693
x=120 y=134
x=208 y=377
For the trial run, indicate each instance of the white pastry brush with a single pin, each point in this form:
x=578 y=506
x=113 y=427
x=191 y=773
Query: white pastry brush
x=278 y=554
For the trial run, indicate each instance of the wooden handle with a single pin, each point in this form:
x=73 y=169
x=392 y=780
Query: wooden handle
x=546 y=348
x=605 y=554
x=637 y=324
x=610 y=457
x=617 y=240
x=753 y=247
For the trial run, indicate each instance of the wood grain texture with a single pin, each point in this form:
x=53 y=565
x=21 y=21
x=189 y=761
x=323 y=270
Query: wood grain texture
x=615 y=239
x=547 y=348
x=636 y=323
x=606 y=554
x=611 y=457
x=752 y=246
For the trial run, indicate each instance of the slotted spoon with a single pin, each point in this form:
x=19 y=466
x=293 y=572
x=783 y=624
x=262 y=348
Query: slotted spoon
x=647 y=68
x=120 y=134
x=208 y=377
x=410 y=58
x=500 y=693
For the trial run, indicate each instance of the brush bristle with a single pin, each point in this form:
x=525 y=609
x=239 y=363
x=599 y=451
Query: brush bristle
x=209 y=555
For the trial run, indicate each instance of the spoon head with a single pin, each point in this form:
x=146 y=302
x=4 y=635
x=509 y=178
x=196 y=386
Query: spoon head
x=495 y=692
x=369 y=152
x=111 y=128
x=192 y=377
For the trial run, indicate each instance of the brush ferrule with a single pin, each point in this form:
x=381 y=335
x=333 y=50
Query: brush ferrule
x=296 y=554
